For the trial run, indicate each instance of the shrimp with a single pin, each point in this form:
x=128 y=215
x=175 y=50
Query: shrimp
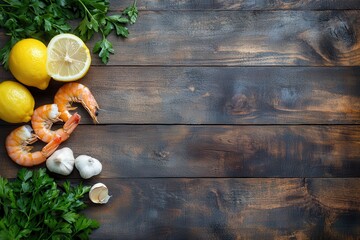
x=75 y=92
x=18 y=150
x=43 y=119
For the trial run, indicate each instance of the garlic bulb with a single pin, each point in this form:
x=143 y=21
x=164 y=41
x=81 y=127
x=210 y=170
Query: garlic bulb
x=61 y=161
x=99 y=193
x=88 y=166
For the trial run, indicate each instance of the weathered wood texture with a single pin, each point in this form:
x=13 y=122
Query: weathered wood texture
x=216 y=151
x=216 y=95
x=225 y=120
x=230 y=209
x=309 y=38
x=237 y=4
x=240 y=38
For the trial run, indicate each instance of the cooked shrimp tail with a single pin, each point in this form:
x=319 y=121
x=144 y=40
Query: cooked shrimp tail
x=43 y=119
x=69 y=126
x=18 y=149
x=75 y=92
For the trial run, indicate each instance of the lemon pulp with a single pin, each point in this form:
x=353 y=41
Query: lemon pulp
x=68 y=58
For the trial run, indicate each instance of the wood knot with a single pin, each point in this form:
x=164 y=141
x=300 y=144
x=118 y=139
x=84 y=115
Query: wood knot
x=338 y=37
x=241 y=104
x=342 y=32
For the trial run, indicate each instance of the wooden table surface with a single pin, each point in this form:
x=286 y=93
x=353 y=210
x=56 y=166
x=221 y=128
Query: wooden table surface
x=225 y=120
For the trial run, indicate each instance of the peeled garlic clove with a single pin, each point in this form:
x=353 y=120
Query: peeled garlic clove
x=99 y=193
x=88 y=166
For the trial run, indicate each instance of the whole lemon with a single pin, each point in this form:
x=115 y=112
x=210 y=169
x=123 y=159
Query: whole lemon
x=16 y=102
x=27 y=62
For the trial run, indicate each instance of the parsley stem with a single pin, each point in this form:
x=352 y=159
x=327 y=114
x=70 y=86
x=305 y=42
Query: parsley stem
x=87 y=10
x=13 y=15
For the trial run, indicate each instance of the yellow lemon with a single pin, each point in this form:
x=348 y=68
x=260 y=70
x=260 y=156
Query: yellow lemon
x=27 y=62
x=16 y=102
x=69 y=58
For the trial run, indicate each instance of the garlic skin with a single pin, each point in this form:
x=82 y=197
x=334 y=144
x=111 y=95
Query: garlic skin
x=88 y=166
x=99 y=193
x=61 y=161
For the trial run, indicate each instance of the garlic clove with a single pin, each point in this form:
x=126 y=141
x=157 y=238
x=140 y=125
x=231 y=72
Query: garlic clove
x=61 y=161
x=88 y=166
x=99 y=193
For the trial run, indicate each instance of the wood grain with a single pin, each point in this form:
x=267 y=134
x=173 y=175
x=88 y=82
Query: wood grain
x=214 y=151
x=245 y=38
x=237 y=5
x=223 y=38
x=229 y=209
x=224 y=119
x=216 y=95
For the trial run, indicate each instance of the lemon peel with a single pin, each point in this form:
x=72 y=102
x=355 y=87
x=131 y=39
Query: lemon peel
x=16 y=102
x=27 y=63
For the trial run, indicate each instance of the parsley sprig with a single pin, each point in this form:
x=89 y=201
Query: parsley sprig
x=43 y=19
x=34 y=206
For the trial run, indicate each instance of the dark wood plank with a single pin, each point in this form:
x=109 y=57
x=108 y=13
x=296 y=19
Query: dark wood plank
x=217 y=95
x=240 y=38
x=228 y=38
x=214 y=151
x=271 y=148
x=237 y=4
x=229 y=209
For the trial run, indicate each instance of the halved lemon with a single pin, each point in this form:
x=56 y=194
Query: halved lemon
x=68 y=58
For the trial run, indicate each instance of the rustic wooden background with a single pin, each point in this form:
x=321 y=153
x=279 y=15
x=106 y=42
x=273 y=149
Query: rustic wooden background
x=226 y=119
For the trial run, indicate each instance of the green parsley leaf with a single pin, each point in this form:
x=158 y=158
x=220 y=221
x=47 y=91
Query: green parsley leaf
x=34 y=206
x=132 y=13
x=104 y=48
x=118 y=18
x=43 y=19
